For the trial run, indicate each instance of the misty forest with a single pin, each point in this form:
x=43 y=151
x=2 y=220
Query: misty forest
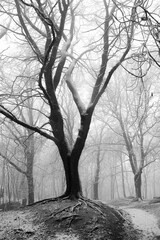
x=79 y=119
x=79 y=100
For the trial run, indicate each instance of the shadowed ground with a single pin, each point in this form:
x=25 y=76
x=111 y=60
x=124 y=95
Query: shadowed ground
x=82 y=219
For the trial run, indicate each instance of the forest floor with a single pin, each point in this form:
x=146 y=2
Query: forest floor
x=144 y=215
x=83 y=219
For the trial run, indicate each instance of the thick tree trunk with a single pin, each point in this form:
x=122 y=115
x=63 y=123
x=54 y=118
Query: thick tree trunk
x=138 y=184
x=76 y=189
x=73 y=184
x=70 y=159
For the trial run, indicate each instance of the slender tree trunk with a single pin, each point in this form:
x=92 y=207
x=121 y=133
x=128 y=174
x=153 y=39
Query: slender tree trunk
x=30 y=189
x=29 y=176
x=95 y=186
x=112 y=185
x=123 y=181
x=30 y=160
x=8 y=185
x=96 y=177
x=138 y=184
x=154 y=181
x=145 y=185
x=118 y=195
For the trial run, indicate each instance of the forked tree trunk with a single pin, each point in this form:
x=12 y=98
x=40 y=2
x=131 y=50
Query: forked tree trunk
x=71 y=160
x=138 y=184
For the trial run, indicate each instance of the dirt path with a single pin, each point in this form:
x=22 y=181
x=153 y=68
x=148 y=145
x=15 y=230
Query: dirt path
x=145 y=222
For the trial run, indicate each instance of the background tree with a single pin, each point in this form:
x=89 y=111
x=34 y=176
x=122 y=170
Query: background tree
x=23 y=143
x=136 y=112
x=21 y=151
x=150 y=21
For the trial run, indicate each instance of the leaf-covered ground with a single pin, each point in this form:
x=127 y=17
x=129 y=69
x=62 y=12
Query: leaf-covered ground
x=75 y=220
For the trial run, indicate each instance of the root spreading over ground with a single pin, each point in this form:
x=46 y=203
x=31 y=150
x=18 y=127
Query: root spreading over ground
x=66 y=219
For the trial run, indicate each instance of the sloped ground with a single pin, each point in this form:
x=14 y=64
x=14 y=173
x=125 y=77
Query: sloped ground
x=75 y=220
x=145 y=222
x=145 y=216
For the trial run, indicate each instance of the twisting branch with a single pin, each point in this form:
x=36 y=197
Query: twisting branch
x=129 y=32
x=27 y=34
x=104 y=55
x=80 y=105
x=153 y=25
x=64 y=50
x=73 y=89
x=42 y=72
x=10 y=116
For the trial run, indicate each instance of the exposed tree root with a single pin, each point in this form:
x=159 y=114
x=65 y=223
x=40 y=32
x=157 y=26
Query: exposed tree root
x=64 y=196
x=97 y=206
x=68 y=213
x=47 y=200
x=79 y=214
x=72 y=208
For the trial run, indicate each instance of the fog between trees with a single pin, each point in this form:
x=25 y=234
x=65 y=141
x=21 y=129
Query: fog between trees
x=79 y=99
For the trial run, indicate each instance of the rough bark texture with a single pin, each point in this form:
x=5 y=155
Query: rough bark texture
x=138 y=184
x=73 y=185
x=71 y=159
x=30 y=189
x=30 y=160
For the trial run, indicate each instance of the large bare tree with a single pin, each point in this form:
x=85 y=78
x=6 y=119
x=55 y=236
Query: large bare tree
x=72 y=43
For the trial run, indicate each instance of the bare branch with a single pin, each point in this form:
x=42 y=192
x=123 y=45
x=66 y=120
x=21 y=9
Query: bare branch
x=10 y=116
x=27 y=34
x=129 y=31
x=13 y=164
x=5 y=29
